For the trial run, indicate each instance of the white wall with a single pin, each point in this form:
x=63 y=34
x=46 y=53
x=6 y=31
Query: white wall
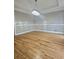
x=23 y=22
x=39 y=22
x=55 y=17
x=55 y=21
x=52 y=22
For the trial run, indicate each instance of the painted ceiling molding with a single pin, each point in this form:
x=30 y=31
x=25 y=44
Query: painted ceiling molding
x=44 y=6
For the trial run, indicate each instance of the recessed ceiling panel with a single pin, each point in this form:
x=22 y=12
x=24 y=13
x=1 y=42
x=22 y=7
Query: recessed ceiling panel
x=43 y=6
x=24 y=4
x=46 y=4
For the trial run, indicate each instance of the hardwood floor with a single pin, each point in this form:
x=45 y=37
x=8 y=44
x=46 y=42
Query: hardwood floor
x=39 y=45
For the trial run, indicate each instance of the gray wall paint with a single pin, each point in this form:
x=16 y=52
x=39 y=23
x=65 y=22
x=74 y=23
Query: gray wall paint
x=53 y=22
x=23 y=22
x=55 y=18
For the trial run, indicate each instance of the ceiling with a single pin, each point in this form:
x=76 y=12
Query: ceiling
x=44 y=6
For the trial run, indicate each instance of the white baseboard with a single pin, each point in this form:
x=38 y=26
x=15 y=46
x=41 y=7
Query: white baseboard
x=39 y=30
x=51 y=31
x=24 y=32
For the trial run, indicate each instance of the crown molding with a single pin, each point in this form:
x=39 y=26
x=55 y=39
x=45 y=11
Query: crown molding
x=52 y=10
x=43 y=12
x=23 y=11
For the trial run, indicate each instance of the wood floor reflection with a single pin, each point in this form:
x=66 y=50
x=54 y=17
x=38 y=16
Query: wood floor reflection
x=39 y=45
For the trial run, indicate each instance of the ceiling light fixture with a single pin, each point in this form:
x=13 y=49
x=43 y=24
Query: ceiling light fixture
x=35 y=12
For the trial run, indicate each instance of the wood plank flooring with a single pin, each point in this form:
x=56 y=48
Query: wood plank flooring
x=39 y=45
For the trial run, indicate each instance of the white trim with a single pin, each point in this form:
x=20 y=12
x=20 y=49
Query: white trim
x=23 y=32
x=45 y=11
x=55 y=32
x=21 y=10
x=50 y=31
x=40 y=30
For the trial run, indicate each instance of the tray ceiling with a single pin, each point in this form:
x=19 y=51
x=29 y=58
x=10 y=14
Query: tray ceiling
x=44 y=6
